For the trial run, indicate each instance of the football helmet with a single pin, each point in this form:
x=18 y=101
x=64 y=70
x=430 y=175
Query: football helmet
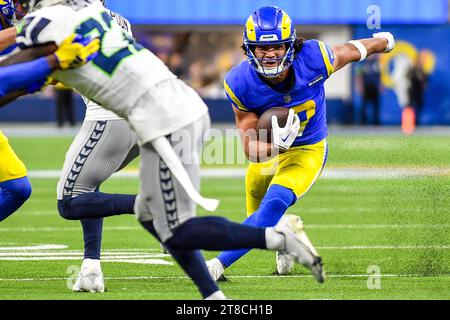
x=269 y=26
x=7 y=9
x=12 y=12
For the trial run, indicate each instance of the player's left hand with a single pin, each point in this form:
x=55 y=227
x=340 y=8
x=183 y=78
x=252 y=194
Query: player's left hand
x=76 y=51
x=390 y=40
x=284 y=137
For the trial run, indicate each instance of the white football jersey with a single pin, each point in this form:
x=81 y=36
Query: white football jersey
x=122 y=73
x=94 y=112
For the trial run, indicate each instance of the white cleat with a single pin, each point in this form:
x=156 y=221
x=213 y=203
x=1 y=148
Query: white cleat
x=285 y=263
x=218 y=295
x=90 y=278
x=299 y=246
x=215 y=268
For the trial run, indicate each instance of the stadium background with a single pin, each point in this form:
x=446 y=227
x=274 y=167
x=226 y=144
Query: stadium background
x=200 y=42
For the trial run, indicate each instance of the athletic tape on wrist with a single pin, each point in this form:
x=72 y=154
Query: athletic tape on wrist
x=361 y=48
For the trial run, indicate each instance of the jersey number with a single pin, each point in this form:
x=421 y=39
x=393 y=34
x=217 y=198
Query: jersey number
x=106 y=63
x=305 y=112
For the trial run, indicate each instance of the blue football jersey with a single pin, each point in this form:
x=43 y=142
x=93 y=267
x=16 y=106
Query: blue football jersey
x=312 y=66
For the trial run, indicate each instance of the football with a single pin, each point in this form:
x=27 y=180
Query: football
x=264 y=125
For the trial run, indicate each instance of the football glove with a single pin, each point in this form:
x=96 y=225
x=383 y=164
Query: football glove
x=390 y=39
x=283 y=138
x=76 y=51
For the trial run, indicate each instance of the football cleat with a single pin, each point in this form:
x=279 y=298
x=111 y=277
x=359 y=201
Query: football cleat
x=299 y=246
x=215 y=268
x=285 y=263
x=92 y=281
x=90 y=278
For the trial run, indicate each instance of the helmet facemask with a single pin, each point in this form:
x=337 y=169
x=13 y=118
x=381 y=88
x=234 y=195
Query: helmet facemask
x=283 y=63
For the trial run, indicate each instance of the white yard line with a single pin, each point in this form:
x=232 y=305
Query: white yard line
x=7 y=252
x=334 y=173
x=307 y=226
x=365 y=276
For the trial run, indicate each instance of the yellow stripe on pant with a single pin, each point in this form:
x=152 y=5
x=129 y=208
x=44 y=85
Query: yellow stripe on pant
x=11 y=167
x=297 y=169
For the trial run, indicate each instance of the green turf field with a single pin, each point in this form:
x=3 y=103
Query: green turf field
x=398 y=227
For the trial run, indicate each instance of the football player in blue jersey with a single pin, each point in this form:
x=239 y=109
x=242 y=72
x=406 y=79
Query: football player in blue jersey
x=24 y=78
x=284 y=71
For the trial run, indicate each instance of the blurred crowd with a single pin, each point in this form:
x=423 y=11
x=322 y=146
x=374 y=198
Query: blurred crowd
x=410 y=82
x=200 y=58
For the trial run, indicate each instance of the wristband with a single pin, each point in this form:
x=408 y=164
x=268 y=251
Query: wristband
x=361 y=48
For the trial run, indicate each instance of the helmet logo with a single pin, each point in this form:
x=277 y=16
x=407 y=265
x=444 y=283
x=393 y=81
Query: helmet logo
x=268 y=37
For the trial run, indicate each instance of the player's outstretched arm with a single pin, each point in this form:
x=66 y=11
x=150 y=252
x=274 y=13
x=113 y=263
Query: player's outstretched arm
x=358 y=50
x=23 y=78
x=29 y=77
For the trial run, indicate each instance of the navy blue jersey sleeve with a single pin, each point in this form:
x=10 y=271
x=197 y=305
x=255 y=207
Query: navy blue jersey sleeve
x=23 y=75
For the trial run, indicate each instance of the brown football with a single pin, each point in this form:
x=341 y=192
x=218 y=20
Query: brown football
x=264 y=125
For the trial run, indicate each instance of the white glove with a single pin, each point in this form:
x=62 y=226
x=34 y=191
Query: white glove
x=283 y=138
x=389 y=37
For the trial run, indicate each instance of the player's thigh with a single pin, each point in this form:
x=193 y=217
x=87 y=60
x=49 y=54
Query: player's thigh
x=257 y=180
x=300 y=167
x=11 y=167
x=161 y=197
x=98 y=150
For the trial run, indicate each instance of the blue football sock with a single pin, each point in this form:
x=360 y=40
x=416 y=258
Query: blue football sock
x=96 y=205
x=92 y=235
x=193 y=263
x=274 y=204
x=13 y=194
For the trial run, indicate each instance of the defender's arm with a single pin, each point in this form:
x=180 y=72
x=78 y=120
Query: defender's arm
x=358 y=50
x=30 y=54
x=20 y=78
x=7 y=38
x=23 y=78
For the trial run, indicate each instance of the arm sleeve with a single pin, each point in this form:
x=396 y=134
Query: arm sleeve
x=23 y=75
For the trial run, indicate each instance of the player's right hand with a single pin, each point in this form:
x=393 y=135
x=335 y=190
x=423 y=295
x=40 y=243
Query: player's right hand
x=283 y=138
x=389 y=38
x=76 y=51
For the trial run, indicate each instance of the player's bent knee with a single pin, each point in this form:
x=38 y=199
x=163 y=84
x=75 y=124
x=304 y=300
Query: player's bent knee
x=24 y=190
x=20 y=188
x=65 y=209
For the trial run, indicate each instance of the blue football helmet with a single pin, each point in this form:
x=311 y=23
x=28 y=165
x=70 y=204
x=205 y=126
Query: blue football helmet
x=269 y=26
x=7 y=8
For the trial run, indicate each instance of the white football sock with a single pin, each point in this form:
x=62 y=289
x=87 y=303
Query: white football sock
x=274 y=240
x=90 y=264
x=218 y=295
